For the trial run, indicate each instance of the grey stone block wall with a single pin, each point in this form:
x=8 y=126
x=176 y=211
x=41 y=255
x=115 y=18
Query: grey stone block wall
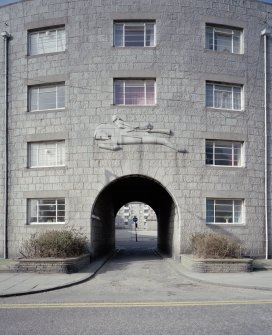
x=181 y=65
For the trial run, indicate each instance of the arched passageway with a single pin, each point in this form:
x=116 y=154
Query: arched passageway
x=124 y=190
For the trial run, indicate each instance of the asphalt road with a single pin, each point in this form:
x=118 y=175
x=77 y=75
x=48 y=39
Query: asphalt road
x=139 y=293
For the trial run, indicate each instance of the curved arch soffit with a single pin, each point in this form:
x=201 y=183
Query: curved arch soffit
x=141 y=177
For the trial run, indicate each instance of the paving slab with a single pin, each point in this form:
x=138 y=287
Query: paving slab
x=259 y=279
x=18 y=283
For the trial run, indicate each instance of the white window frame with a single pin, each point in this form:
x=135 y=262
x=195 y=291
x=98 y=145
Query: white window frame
x=233 y=203
x=124 y=81
x=232 y=86
x=226 y=31
x=57 y=158
x=216 y=143
x=55 y=203
x=39 y=87
x=46 y=31
x=124 y=24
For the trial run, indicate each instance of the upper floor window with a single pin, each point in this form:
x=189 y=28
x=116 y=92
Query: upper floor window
x=46 y=154
x=225 y=96
x=134 y=34
x=46 y=210
x=223 y=153
x=46 y=41
x=224 y=211
x=139 y=92
x=44 y=97
x=222 y=38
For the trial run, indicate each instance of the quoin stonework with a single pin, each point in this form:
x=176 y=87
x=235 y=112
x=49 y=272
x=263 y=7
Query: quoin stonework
x=107 y=102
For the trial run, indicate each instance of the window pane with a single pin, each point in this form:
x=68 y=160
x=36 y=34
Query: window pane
x=34 y=99
x=60 y=153
x=223 y=39
x=46 y=41
x=237 y=154
x=237 y=42
x=33 y=40
x=209 y=154
x=119 y=93
x=150 y=36
x=118 y=35
x=223 y=42
x=237 y=97
x=47 y=154
x=45 y=211
x=209 y=38
x=223 y=211
x=209 y=95
x=134 y=93
x=47 y=97
x=60 y=96
x=150 y=92
x=226 y=210
x=61 y=40
x=223 y=153
x=210 y=211
x=223 y=96
x=32 y=211
x=134 y=35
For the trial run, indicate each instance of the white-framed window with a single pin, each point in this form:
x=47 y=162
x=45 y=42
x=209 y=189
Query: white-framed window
x=46 y=97
x=46 y=154
x=46 y=41
x=223 y=38
x=226 y=153
x=224 y=96
x=139 y=92
x=134 y=34
x=46 y=210
x=224 y=211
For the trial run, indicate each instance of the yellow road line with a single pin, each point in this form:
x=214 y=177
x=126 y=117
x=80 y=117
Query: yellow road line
x=136 y=304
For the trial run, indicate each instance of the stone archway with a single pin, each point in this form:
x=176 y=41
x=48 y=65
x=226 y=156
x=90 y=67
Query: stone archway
x=127 y=189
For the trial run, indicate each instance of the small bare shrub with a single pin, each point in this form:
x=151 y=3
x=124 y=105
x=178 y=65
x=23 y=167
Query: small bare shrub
x=55 y=243
x=214 y=245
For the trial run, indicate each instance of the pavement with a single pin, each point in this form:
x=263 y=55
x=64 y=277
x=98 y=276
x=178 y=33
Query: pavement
x=15 y=283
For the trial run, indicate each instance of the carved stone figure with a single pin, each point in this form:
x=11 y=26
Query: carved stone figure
x=113 y=136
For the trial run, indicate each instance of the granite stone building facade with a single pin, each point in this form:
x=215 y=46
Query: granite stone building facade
x=156 y=101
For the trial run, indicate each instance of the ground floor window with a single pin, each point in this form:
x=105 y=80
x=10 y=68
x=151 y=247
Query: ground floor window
x=224 y=211
x=46 y=210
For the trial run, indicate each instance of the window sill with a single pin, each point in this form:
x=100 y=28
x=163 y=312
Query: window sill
x=38 y=168
x=225 y=167
x=45 y=224
x=46 y=54
x=46 y=110
x=223 y=52
x=135 y=48
x=133 y=106
x=216 y=109
x=226 y=224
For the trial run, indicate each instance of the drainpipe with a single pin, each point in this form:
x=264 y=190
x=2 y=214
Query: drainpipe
x=6 y=37
x=264 y=33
